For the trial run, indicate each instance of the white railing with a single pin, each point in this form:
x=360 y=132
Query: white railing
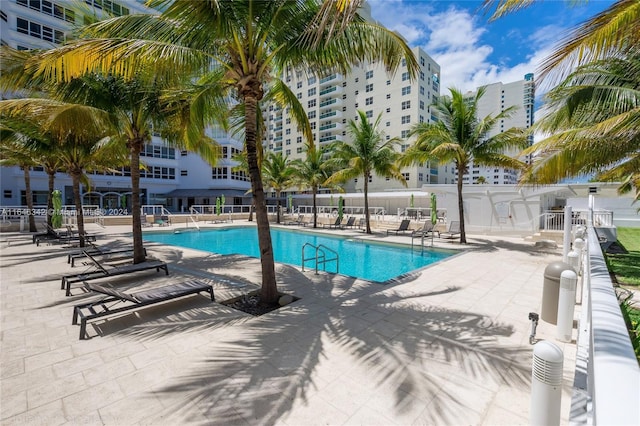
x=607 y=384
x=347 y=210
x=554 y=220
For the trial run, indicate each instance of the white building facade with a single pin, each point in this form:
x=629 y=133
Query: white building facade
x=172 y=178
x=497 y=98
x=332 y=101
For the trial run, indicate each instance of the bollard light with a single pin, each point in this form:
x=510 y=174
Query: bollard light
x=566 y=305
x=546 y=384
x=573 y=259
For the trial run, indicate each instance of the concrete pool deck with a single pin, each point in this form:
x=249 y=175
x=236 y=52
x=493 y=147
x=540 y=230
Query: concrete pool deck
x=446 y=345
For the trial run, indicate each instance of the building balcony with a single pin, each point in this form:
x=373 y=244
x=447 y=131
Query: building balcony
x=328 y=126
x=330 y=114
x=329 y=103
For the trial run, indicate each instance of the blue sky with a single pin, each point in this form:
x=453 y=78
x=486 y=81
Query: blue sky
x=471 y=50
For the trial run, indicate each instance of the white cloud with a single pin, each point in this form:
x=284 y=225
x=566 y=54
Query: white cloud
x=453 y=37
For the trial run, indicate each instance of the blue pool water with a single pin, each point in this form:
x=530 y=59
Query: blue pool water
x=357 y=258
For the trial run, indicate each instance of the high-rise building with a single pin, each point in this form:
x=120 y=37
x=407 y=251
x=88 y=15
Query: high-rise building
x=497 y=98
x=172 y=178
x=331 y=101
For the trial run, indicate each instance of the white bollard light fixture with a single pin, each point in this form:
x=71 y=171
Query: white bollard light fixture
x=573 y=259
x=566 y=305
x=546 y=384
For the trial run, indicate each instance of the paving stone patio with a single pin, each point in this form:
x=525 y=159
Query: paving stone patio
x=448 y=345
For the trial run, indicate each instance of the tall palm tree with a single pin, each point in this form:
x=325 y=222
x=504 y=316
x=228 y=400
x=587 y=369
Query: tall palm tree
x=460 y=136
x=79 y=138
x=593 y=125
x=312 y=173
x=249 y=44
x=368 y=153
x=41 y=148
x=277 y=174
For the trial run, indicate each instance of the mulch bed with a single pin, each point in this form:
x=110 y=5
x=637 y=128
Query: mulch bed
x=251 y=304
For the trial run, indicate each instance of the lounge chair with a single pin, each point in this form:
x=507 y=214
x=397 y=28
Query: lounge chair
x=50 y=235
x=453 y=231
x=334 y=225
x=89 y=311
x=76 y=234
x=99 y=251
x=351 y=222
x=404 y=227
x=427 y=230
x=300 y=221
x=103 y=271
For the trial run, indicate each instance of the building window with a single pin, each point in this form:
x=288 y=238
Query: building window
x=311 y=114
x=219 y=173
x=388 y=123
x=406 y=176
x=405 y=76
x=157 y=172
x=299 y=150
x=184 y=172
x=422 y=75
x=287 y=152
x=311 y=92
x=421 y=90
x=287 y=142
x=369 y=87
x=49 y=8
x=311 y=103
x=183 y=153
x=299 y=139
x=421 y=120
x=388 y=82
x=287 y=132
x=406 y=119
x=388 y=95
x=421 y=63
x=8 y=193
x=422 y=105
x=421 y=177
x=406 y=105
x=369 y=101
x=311 y=80
x=406 y=90
x=299 y=95
x=369 y=113
x=404 y=134
x=299 y=85
x=42 y=32
x=369 y=74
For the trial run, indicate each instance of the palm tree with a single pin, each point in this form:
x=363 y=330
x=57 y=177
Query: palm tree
x=248 y=44
x=276 y=174
x=459 y=136
x=592 y=123
x=14 y=152
x=312 y=173
x=78 y=136
x=368 y=153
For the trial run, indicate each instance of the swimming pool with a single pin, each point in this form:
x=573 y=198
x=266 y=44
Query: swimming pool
x=357 y=258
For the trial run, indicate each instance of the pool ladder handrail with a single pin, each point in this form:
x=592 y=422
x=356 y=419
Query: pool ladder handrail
x=321 y=256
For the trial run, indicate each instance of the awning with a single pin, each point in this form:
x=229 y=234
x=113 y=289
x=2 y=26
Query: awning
x=205 y=193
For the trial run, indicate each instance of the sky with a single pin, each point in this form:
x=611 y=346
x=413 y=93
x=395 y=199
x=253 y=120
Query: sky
x=472 y=50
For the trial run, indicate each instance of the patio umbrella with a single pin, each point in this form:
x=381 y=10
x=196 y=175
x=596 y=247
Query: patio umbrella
x=290 y=203
x=340 y=207
x=411 y=201
x=222 y=200
x=218 y=206
x=434 y=213
x=56 y=219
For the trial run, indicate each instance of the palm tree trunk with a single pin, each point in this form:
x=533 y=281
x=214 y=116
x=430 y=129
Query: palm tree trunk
x=269 y=291
x=366 y=202
x=51 y=181
x=135 y=146
x=75 y=179
x=463 y=236
x=29 y=196
x=279 y=206
x=315 y=207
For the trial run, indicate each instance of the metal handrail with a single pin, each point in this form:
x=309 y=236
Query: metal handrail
x=320 y=256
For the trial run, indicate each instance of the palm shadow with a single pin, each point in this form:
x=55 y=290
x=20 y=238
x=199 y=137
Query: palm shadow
x=273 y=363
